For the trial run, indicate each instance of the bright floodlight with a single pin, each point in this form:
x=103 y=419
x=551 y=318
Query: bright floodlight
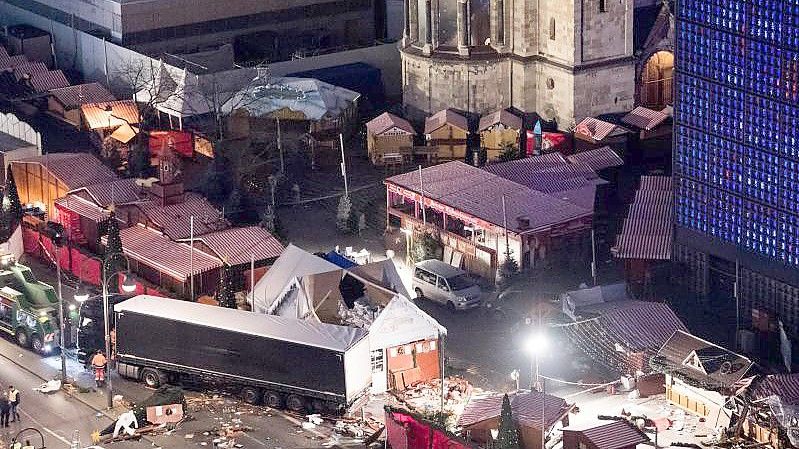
x=129 y=284
x=81 y=294
x=536 y=343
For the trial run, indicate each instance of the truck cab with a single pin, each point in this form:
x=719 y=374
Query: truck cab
x=28 y=308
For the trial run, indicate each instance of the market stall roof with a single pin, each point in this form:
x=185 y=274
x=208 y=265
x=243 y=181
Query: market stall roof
x=476 y=192
x=597 y=159
x=445 y=117
x=125 y=133
x=235 y=246
x=110 y=114
x=598 y=130
x=156 y=250
x=696 y=360
x=82 y=207
x=175 y=219
x=327 y=336
x=644 y=118
x=501 y=117
x=647 y=230
x=387 y=122
x=616 y=434
x=784 y=386
x=47 y=81
x=402 y=322
x=292 y=263
x=80 y=94
x=312 y=98
x=529 y=409
x=73 y=169
x=118 y=191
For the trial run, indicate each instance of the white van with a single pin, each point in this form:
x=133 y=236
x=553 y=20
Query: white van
x=445 y=284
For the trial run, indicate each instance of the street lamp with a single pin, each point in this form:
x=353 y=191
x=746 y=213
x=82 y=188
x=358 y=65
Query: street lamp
x=82 y=294
x=536 y=345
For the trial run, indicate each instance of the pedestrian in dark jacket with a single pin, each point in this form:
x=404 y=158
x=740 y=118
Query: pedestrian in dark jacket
x=5 y=410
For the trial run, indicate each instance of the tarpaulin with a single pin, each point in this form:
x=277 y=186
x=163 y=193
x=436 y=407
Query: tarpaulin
x=180 y=142
x=556 y=142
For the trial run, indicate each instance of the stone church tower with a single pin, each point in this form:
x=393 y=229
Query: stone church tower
x=564 y=59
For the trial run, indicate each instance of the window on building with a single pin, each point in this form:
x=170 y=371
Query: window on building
x=552 y=29
x=603 y=7
x=377 y=360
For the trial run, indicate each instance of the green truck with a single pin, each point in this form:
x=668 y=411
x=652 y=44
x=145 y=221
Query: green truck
x=28 y=308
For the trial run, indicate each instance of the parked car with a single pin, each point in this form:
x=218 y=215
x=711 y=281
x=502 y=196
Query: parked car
x=442 y=283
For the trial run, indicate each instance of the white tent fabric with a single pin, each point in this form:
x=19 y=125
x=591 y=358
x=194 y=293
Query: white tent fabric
x=384 y=272
x=313 y=98
x=292 y=264
x=328 y=336
x=402 y=322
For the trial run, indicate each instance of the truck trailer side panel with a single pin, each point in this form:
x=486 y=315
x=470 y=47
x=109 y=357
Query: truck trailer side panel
x=357 y=366
x=173 y=343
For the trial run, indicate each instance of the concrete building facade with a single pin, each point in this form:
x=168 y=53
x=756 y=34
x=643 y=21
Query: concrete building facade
x=269 y=29
x=563 y=59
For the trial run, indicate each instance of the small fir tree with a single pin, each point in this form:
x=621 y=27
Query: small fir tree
x=509 y=153
x=508 y=437
x=425 y=247
x=14 y=204
x=343 y=213
x=268 y=219
x=509 y=267
x=6 y=220
x=113 y=256
x=225 y=295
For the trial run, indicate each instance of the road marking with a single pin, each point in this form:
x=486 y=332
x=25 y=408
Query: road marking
x=60 y=438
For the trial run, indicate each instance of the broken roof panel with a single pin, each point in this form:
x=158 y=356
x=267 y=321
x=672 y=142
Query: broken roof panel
x=719 y=369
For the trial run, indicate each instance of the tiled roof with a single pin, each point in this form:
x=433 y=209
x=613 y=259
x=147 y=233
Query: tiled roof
x=503 y=116
x=118 y=191
x=721 y=368
x=597 y=159
x=477 y=192
x=644 y=118
x=29 y=68
x=174 y=219
x=647 y=230
x=387 y=121
x=47 y=81
x=121 y=111
x=80 y=94
x=236 y=245
x=526 y=409
x=613 y=435
x=445 y=117
x=74 y=169
x=156 y=250
x=13 y=61
x=595 y=128
x=784 y=386
x=640 y=325
x=83 y=207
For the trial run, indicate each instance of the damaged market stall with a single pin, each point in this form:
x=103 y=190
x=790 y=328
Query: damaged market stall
x=768 y=410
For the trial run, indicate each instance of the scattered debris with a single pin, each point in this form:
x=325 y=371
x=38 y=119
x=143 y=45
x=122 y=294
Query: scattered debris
x=51 y=386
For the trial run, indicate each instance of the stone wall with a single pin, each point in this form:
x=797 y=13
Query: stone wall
x=604 y=90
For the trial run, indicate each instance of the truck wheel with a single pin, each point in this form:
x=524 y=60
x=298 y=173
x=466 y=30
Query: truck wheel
x=37 y=344
x=152 y=377
x=295 y=403
x=419 y=294
x=251 y=395
x=318 y=406
x=273 y=399
x=22 y=338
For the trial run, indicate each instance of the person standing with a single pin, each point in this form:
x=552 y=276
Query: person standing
x=5 y=409
x=13 y=399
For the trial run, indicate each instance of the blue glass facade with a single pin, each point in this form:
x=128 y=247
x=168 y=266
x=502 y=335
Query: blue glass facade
x=736 y=158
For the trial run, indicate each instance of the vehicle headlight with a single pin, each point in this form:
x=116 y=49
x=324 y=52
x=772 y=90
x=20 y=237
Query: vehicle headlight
x=462 y=299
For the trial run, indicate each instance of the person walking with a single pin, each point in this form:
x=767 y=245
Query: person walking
x=99 y=364
x=5 y=409
x=13 y=399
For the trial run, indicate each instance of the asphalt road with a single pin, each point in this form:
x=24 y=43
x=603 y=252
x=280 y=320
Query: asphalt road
x=56 y=415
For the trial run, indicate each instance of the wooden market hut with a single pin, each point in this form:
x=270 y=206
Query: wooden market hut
x=447 y=130
x=389 y=137
x=498 y=130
